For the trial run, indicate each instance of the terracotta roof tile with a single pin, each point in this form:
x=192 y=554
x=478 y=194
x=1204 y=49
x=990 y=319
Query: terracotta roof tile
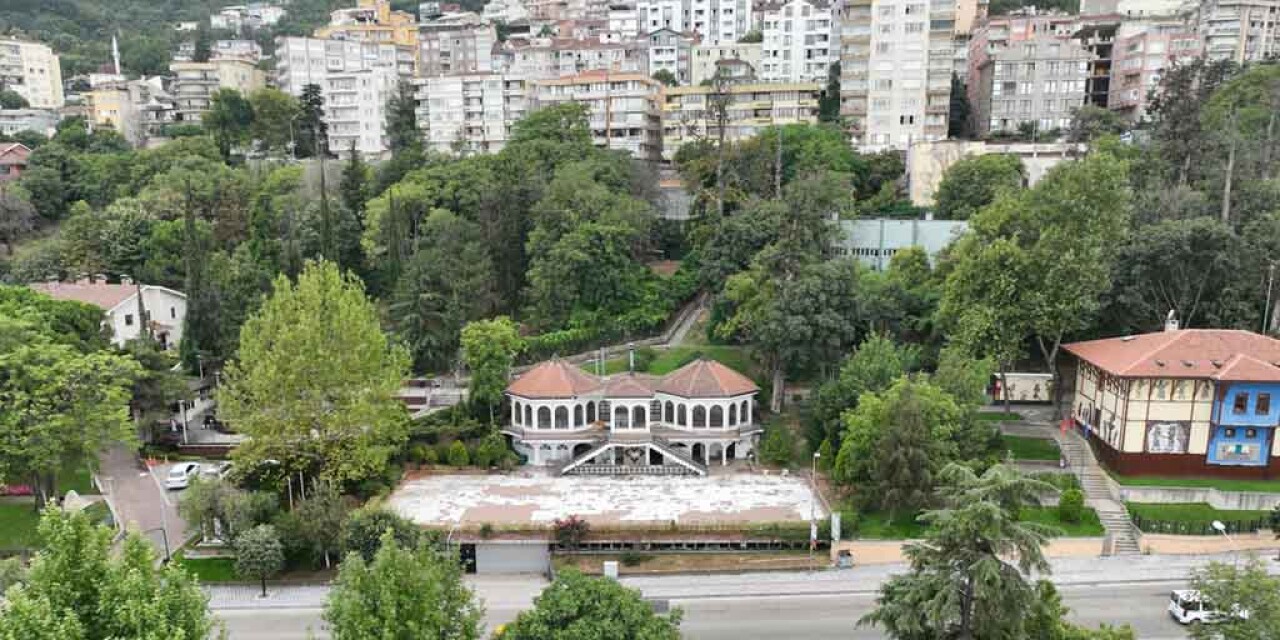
x=1222 y=354
x=554 y=379
x=704 y=378
x=630 y=385
x=103 y=295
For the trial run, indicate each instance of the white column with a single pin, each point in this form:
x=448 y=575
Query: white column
x=515 y=410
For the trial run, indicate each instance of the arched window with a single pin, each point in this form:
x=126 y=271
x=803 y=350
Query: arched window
x=744 y=414
x=562 y=417
x=591 y=411
x=733 y=415
x=717 y=417
x=544 y=417
x=638 y=418
x=620 y=418
x=528 y=416
x=669 y=412
x=516 y=413
x=577 y=416
x=682 y=417
x=699 y=417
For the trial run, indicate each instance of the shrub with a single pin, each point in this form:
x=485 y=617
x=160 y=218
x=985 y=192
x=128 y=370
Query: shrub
x=486 y=531
x=644 y=358
x=571 y=531
x=632 y=558
x=458 y=456
x=1071 y=506
x=776 y=448
x=492 y=451
x=423 y=453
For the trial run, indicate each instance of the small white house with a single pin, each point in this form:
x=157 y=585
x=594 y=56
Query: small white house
x=165 y=309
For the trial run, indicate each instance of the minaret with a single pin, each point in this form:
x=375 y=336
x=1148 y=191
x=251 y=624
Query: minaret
x=115 y=53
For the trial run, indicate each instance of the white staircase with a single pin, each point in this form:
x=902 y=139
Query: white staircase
x=684 y=465
x=1099 y=493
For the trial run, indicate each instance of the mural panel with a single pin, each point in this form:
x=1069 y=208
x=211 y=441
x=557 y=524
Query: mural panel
x=1165 y=436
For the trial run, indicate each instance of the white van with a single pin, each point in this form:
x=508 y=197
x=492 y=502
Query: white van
x=1187 y=607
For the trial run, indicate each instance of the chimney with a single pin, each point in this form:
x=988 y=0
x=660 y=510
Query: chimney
x=631 y=357
x=1171 y=321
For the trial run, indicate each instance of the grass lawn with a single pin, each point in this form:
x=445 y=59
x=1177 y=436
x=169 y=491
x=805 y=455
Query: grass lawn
x=877 y=526
x=209 y=569
x=1024 y=448
x=1222 y=484
x=76 y=477
x=999 y=416
x=1089 y=525
x=1194 y=513
x=18 y=526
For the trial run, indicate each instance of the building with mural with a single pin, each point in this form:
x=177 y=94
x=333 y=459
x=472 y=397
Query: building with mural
x=633 y=423
x=1201 y=402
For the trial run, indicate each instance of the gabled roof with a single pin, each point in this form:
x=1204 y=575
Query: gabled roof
x=554 y=378
x=16 y=150
x=704 y=378
x=105 y=295
x=1220 y=354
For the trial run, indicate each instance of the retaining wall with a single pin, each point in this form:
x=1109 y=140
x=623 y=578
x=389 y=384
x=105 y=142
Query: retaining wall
x=1233 y=500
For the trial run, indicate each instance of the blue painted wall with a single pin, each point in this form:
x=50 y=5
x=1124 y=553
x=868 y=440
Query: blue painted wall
x=1240 y=446
x=1224 y=405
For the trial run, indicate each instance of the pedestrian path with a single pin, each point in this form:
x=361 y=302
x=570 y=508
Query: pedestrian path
x=1099 y=492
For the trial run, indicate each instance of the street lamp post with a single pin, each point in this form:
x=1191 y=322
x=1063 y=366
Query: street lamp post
x=1235 y=551
x=813 y=507
x=164 y=535
x=182 y=406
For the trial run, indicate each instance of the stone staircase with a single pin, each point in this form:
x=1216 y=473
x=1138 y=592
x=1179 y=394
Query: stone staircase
x=684 y=465
x=1099 y=493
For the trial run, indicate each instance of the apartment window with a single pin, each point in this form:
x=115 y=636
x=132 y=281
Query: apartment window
x=128 y=319
x=1028 y=50
x=906 y=119
x=1263 y=406
x=914 y=27
x=173 y=313
x=884 y=47
x=886 y=10
x=886 y=28
x=1240 y=405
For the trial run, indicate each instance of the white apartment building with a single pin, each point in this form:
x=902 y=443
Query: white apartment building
x=33 y=71
x=455 y=43
x=544 y=58
x=246 y=49
x=799 y=43
x=505 y=11
x=1239 y=30
x=624 y=111
x=246 y=16
x=669 y=50
x=356 y=79
x=41 y=121
x=469 y=113
x=736 y=57
x=896 y=61
x=716 y=21
x=624 y=20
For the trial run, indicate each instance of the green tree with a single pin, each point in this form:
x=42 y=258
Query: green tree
x=402 y=593
x=1089 y=123
x=974 y=182
x=488 y=349
x=157 y=386
x=274 y=112
x=868 y=426
x=903 y=473
x=963 y=376
x=563 y=123
x=829 y=101
x=17 y=219
x=10 y=99
x=354 y=186
x=315 y=381
x=458 y=456
x=577 y=607
x=970 y=577
x=364 y=529
x=259 y=554
x=317 y=523
x=777 y=448
x=229 y=120
x=447 y=283
x=62 y=406
x=1250 y=587
x=312 y=137
x=77 y=589
x=666 y=77
x=1047 y=620
x=871 y=368
x=402 y=121
x=202 y=49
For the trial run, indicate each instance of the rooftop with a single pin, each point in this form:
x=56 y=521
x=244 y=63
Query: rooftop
x=1220 y=354
x=701 y=378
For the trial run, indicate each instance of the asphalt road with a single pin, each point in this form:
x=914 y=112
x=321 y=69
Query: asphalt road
x=813 y=617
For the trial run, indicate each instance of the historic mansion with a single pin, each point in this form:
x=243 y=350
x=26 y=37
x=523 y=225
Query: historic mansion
x=632 y=423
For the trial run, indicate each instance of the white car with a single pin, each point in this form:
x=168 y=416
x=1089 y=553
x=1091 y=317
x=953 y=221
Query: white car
x=215 y=469
x=180 y=475
x=1188 y=607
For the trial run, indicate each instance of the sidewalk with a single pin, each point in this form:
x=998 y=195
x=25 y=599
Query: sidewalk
x=518 y=591
x=138 y=500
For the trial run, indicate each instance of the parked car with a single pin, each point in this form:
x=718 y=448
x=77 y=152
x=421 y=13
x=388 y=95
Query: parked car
x=215 y=469
x=1188 y=607
x=180 y=475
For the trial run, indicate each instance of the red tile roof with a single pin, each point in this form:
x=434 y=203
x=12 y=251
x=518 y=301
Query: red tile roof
x=106 y=296
x=704 y=378
x=554 y=378
x=1221 y=354
x=630 y=385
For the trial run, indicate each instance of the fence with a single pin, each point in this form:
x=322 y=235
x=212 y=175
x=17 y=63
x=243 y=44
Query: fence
x=1182 y=528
